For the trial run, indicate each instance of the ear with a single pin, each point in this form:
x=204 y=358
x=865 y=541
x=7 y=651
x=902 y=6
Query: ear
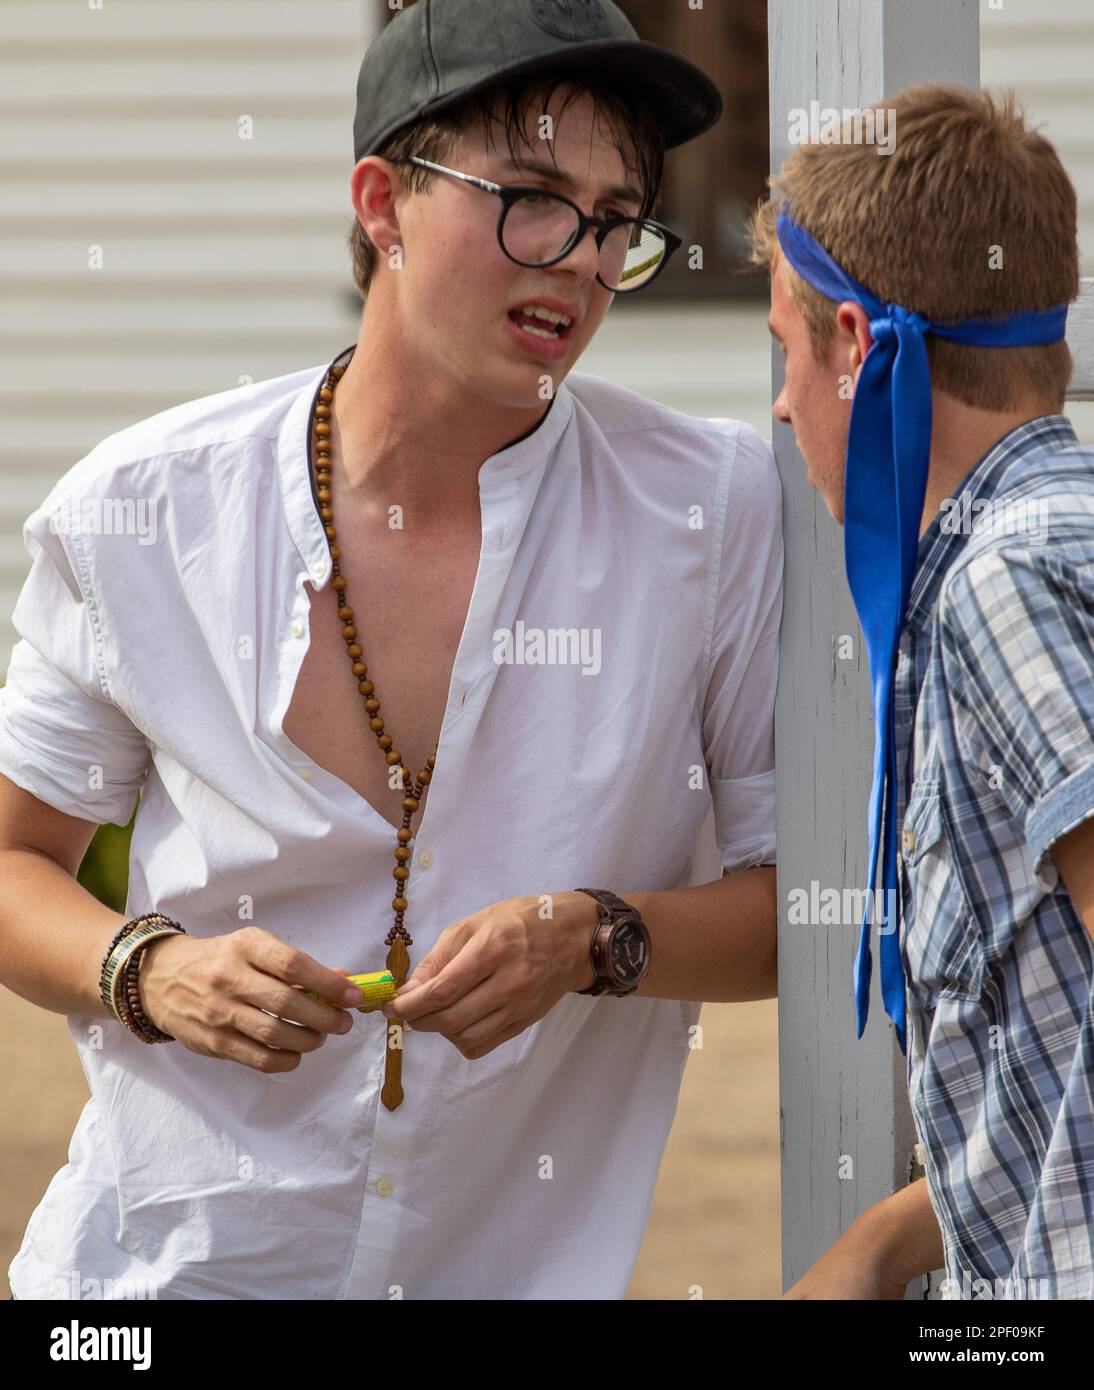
x=853 y=337
x=376 y=192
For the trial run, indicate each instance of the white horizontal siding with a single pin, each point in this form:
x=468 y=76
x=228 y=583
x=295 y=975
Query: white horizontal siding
x=254 y=257
x=1044 y=49
x=280 y=26
x=223 y=258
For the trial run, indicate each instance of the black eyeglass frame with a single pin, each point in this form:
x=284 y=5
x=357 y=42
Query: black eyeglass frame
x=512 y=193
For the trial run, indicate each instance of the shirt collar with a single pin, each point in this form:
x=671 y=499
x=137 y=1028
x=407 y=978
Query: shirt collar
x=302 y=506
x=939 y=549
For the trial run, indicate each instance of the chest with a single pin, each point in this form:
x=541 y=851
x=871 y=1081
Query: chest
x=409 y=611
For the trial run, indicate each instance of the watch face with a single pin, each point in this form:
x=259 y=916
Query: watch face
x=627 y=953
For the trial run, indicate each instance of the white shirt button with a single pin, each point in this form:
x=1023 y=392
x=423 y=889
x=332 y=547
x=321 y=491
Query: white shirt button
x=1048 y=877
x=305 y=772
x=320 y=570
x=907 y=839
x=385 y=1187
x=296 y=627
x=425 y=859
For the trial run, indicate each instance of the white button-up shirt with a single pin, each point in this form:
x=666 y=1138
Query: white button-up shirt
x=163 y=659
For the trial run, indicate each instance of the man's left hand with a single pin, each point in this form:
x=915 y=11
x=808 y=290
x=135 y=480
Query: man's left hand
x=495 y=973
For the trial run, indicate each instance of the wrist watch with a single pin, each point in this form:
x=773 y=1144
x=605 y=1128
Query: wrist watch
x=620 y=949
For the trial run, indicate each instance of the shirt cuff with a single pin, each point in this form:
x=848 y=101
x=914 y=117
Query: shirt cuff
x=1067 y=805
x=52 y=746
x=54 y=783
x=744 y=820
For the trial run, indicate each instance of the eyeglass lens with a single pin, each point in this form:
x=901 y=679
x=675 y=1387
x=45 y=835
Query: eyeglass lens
x=539 y=228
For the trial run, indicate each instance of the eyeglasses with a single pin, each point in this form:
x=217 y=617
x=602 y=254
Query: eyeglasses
x=537 y=228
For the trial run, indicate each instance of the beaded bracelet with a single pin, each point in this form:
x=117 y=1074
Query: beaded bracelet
x=130 y=1007
x=123 y=972
x=119 y=982
x=123 y=931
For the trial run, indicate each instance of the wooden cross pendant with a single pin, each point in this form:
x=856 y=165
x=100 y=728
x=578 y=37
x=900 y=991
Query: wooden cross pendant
x=398 y=962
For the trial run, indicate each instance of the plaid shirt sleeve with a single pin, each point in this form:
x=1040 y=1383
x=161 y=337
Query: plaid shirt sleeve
x=1017 y=630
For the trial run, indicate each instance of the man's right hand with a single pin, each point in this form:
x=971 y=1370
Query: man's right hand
x=210 y=994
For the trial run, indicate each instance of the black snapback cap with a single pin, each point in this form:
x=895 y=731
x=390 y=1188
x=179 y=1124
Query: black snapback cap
x=435 y=53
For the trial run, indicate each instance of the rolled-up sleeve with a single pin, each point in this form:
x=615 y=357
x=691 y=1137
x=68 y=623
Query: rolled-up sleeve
x=61 y=737
x=1018 y=639
x=739 y=710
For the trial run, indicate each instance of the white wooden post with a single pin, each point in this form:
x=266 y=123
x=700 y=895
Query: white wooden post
x=1080 y=339
x=844 y=1102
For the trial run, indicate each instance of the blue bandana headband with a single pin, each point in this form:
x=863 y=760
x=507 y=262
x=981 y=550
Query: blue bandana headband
x=885 y=482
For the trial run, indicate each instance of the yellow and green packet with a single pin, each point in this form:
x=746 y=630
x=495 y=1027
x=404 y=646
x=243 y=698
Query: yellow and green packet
x=377 y=989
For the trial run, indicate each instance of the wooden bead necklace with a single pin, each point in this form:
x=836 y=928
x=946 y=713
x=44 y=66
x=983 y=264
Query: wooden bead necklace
x=398 y=938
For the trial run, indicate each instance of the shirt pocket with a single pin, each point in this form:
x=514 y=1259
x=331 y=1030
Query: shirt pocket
x=942 y=945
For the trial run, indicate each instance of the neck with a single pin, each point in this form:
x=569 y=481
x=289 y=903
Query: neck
x=960 y=437
x=406 y=433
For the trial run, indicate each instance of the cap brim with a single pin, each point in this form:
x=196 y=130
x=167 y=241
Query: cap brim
x=681 y=97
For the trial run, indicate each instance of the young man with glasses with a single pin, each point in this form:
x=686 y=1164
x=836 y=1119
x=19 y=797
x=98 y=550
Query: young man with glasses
x=556 y=604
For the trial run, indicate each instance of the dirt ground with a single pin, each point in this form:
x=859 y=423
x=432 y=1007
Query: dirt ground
x=714 y=1229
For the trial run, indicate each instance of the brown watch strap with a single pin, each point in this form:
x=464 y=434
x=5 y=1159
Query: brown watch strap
x=611 y=907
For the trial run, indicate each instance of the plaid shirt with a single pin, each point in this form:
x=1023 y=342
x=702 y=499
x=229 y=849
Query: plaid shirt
x=995 y=733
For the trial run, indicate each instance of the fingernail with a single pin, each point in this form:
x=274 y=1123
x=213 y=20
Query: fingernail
x=352 y=995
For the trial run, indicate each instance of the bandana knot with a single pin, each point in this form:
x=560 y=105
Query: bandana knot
x=896 y=317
